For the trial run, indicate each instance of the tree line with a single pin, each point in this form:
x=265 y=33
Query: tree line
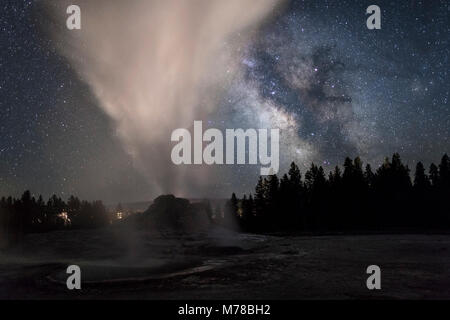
x=30 y=214
x=355 y=198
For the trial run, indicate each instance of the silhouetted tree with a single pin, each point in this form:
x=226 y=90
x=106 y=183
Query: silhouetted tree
x=442 y=191
x=444 y=173
x=335 y=178
x=231 y=217
x=369 y=175
x=421 y=180
x=296 y=194
x=272 y=202
x=434 y=175
x=247 y=218
x=421 y=197
x=260 y=202
x=315 y=183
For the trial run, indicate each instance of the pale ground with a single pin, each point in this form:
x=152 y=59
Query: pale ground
x=121 y=264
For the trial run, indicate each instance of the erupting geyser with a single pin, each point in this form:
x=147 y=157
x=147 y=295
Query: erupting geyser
x=155 y=66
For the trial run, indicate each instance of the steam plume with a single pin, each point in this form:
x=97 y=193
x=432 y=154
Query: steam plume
x=158 y=65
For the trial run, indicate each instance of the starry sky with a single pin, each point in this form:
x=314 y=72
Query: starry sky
x=335 y=89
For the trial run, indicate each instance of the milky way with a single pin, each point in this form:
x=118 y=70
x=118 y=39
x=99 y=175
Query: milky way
x=313 y=69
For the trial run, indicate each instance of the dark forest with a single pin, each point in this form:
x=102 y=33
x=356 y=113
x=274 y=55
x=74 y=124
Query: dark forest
x=354 y=199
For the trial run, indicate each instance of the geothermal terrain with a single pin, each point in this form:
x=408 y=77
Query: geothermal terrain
x=144 y=259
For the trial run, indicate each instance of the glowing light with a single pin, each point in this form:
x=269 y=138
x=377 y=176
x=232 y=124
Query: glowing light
x=65 y=218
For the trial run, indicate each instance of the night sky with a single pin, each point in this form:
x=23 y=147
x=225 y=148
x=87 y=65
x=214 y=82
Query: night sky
x=339 y=89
